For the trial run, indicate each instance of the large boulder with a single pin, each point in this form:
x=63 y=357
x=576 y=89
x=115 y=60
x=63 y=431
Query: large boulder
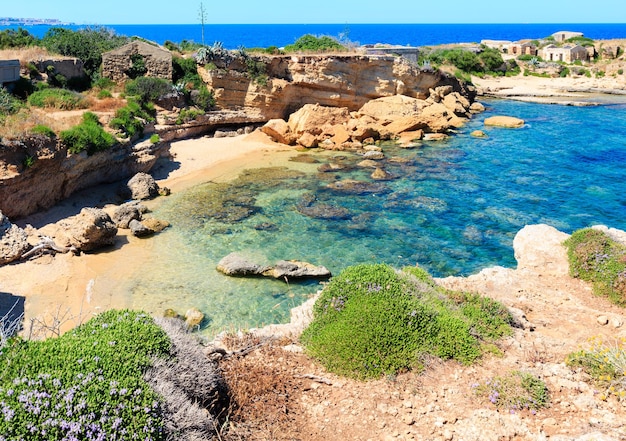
x=13 y=241
x=391 y=108
x=504 y=121
x=128 y=212
x=237 y=265
x=89 y=230
x=539 y=248
x=310 y=118
x=143 y=186
x=278 y=130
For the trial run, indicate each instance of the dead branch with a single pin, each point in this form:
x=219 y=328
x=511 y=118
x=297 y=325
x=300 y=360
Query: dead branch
x=47 y=244
x=316 y=378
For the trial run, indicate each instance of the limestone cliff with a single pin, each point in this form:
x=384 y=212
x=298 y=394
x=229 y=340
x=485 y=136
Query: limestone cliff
x=52 y=174
x=280 y=85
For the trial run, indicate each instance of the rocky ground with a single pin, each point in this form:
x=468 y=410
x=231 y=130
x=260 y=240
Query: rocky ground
x=284 y=395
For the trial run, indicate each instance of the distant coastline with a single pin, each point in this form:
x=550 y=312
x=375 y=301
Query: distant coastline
x=11 y=21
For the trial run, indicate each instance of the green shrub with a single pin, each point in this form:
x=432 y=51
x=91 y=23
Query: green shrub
x=148 y=89
x=311 y=43
x=57 y=99
x=371 y=320
x=88 y=44
x=606 y=363
x=8 y=103
x=187 y=115
x=104 y=94
x=87 y=136
x=40 y=129
x=596 y=258
x=515 y=391
x=204 y=98
x=130 y=119
x=185 y=71
x=620 y=71
x=564 y=72
x=11 y=38
x=86 y=384
x=155 y=138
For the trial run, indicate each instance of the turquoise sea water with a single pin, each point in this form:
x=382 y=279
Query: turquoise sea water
x=454 y=210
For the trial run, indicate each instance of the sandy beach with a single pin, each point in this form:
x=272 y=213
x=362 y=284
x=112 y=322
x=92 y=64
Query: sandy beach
x=66 y=290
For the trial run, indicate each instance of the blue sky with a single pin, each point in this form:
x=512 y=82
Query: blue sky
x=320 y=11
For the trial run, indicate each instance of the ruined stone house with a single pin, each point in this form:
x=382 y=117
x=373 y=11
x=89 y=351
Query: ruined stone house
x=522 y=48
x=119 y=64
x=567 y=53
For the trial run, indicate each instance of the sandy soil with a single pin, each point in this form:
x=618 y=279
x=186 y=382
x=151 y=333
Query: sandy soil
x=65 y=290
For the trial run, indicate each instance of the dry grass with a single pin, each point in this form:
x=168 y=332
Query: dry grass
x=261 y=386
x=26 y=55
x=106 y=104
x=21 y=124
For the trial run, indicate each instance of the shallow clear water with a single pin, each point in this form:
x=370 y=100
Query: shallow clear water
x=454 y=209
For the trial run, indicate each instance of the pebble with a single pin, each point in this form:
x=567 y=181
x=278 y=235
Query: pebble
x=602 y=320
x=617 y=322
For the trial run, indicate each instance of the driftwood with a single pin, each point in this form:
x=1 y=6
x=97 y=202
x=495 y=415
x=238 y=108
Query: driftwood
x=47 y=244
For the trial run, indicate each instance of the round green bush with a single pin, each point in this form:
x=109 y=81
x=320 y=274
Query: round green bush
x=372 y=320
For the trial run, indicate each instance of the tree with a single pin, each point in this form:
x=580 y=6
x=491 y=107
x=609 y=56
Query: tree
x=202 y=14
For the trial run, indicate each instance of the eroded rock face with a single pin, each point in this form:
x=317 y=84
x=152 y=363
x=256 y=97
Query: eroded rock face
x=13 y=241
x=349 y=81
x=56 y=174
x=379 y=119
x=89 y=230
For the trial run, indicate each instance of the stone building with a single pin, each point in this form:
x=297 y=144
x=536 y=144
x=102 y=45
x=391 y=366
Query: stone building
x=118 y=64
x=567 y=53
x=522 y=48
x=562 y=36
x=9 y=71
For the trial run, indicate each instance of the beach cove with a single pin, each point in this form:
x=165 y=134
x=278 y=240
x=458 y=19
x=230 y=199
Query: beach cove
x=465 y=220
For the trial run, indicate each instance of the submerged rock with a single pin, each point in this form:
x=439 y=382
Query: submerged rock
x=309 y=206
x=350 y=186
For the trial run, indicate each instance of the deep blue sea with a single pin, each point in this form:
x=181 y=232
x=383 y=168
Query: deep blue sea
x=264 y=35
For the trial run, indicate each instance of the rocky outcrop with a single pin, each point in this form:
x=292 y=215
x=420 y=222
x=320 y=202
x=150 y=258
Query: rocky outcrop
x=89 y=230
x=384 y=118
x=349 y=81
x=13 y=241
x=239 y=266
x=55 y=174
